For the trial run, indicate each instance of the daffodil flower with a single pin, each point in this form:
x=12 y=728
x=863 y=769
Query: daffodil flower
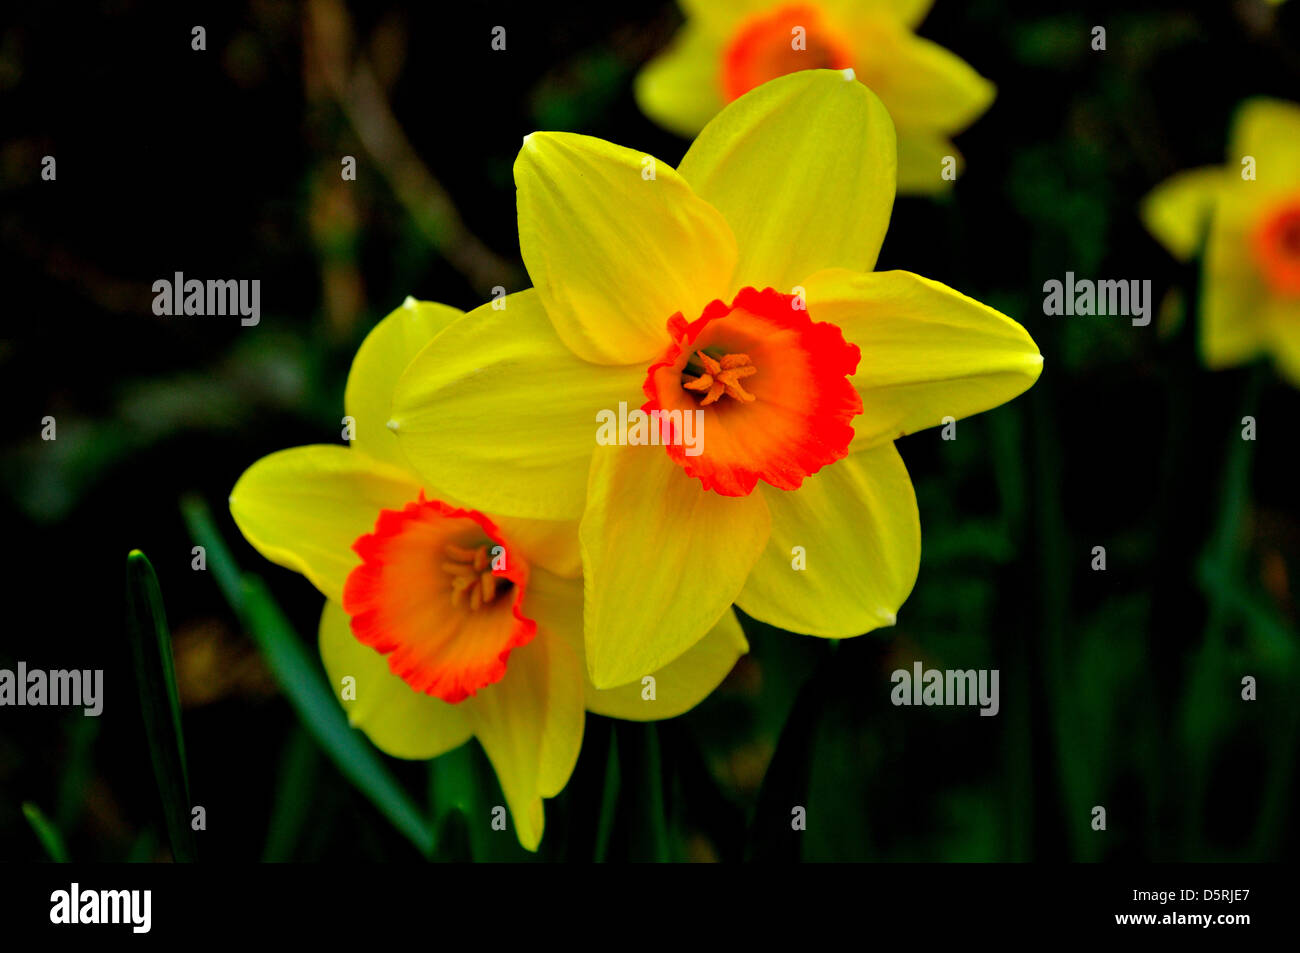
x=1245 y=216
x=727 y=47
x=442 y=622
x=738 y=287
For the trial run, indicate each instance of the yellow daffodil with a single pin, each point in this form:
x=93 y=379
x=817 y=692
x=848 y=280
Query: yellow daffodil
x=449 y=623
x=737 y=288
x=727 y=47
x=1246 y=217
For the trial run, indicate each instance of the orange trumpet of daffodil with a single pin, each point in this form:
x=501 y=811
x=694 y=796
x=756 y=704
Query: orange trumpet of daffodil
x=738 y=287
x=727 y=47
x=1245 y=216
x=449 y=622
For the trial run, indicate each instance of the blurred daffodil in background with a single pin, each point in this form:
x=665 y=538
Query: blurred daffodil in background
x=740 y=288
x=727 y=47
x=1243 y=219
x=443 y=623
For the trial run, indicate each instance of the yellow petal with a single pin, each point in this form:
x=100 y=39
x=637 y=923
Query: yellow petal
x=680 y=88
x=922 y=84
x=303 y=508
x=380 y=360
x=616 y=244
x=908 y=12
x=1177 y=211
x=677 y=688
x=530 y=725
x=928 y=352
x=923 y=160
x=501 y=415
x=721 y=16
x=682 y=684
x=551 y=544
x=1234 y=299
x=379 y=364
x=1268 y=130
x=1283 y=316
x=555 y=604
x=399 y=720
x=662 y=558
x=845 y=549
x=803 y=169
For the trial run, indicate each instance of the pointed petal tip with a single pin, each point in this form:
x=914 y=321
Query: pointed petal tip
x=600 y=678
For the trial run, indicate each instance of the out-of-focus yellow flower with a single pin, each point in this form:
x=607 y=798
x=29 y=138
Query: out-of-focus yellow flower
x=735 y=292
x=441 y=622
x=727 y=47
x=1244 y=219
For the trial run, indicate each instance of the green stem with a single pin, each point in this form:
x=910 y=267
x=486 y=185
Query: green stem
x=1220 y=564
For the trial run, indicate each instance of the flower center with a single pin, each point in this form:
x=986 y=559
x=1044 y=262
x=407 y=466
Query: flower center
x=1277 y=248
x=778 y=425
x=718 y=377
x=398 y=598
x=473 y=581
x=786 y=40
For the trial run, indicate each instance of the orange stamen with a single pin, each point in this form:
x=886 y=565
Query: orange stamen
x=470 y=576
x=722 y=377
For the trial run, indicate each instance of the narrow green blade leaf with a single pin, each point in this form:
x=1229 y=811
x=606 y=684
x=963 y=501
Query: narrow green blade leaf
x=151 y=648
x=222 y=565
x=320 y=713
x=296 y=780
x=299 y=675
x=608 y=800
x=46 y=833
x=643 y=791
x=786 y=783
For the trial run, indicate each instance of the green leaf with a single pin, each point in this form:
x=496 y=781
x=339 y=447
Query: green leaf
x=297 y=778
x=454 y=797
x=786 y=783
x=300 y=679
x=299 y=676
x=151 y=647
x=608 y=800
x=642 y=786
x=46 y=833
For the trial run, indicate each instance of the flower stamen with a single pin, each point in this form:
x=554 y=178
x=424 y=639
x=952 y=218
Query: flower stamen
x=472 y=577
x=722 y=377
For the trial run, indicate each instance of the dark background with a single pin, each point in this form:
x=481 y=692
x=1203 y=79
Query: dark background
x=1119 y=688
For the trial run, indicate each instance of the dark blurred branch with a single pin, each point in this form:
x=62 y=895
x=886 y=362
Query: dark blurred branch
x=329 y=45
